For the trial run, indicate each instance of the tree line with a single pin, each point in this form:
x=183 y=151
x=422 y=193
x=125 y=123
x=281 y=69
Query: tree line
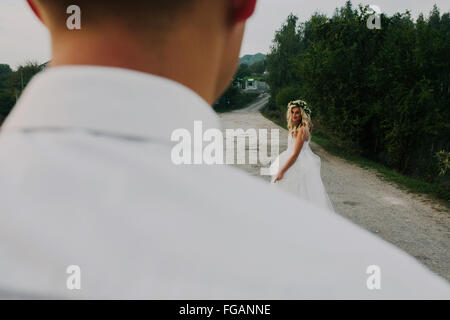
x=382 y=93
x=12 y=84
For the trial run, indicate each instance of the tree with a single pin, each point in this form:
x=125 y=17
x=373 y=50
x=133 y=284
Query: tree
x=5 y=73
x=12 y=84
x=381 y=93
x=286 y=45
x=258 y=67
x=243 y=71
x=23 y=75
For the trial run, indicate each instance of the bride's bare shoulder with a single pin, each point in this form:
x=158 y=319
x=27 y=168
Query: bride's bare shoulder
x=302 y=132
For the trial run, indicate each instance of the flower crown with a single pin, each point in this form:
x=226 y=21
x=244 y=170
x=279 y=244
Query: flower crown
x=302 y=104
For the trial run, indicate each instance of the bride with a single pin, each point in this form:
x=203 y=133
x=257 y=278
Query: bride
x=300 y=167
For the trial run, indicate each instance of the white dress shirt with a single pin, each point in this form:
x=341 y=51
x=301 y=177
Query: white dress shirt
x=86 y=179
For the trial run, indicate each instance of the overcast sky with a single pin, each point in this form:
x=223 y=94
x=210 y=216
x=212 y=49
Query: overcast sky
x=23 y=38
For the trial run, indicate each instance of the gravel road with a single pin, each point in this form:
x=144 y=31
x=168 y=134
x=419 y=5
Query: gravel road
x=414 y=223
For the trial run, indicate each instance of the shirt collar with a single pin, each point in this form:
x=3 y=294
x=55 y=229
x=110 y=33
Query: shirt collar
x=110 y=100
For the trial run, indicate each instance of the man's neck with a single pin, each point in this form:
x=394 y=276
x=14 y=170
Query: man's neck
x=193 y=62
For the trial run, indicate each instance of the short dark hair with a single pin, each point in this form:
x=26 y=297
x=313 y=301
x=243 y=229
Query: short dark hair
x=158 y=13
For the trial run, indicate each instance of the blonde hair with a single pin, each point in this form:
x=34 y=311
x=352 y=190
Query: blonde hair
x=304 y=122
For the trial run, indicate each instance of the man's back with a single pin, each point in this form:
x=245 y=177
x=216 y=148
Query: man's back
x=104 y=195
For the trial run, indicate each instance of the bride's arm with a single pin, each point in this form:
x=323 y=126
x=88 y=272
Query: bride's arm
x=301 y=136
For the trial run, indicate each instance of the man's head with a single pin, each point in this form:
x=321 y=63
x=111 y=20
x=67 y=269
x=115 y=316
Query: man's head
x=195 y=42
x=158 y=14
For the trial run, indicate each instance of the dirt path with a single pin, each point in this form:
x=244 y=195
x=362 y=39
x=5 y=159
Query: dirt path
x=413 y=223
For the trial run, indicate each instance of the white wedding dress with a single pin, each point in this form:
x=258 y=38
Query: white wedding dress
x=303 y=178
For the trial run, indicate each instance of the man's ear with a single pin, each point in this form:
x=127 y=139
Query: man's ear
x=34 y=8
x=243 y=9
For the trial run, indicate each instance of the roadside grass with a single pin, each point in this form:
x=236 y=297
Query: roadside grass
x=409 y=184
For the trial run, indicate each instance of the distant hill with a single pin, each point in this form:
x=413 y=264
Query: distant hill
x=252 y=58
